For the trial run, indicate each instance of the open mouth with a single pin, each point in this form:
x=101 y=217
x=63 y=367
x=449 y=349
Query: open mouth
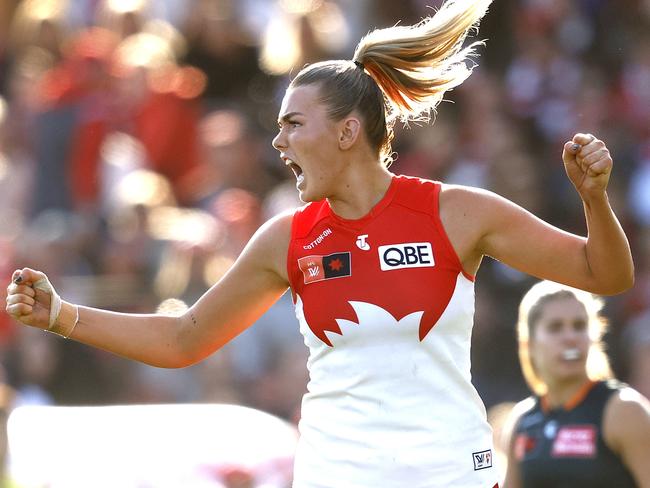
x=571 y=354
x=297 y=170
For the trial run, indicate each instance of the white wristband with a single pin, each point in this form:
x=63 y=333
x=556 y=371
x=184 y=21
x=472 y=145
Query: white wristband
x=55 y=300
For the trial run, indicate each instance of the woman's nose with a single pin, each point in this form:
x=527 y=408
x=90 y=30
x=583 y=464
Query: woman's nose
x=572 y=335
x=279 y=142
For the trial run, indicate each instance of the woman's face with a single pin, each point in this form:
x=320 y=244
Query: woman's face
x=560 y=341
x=308 y=143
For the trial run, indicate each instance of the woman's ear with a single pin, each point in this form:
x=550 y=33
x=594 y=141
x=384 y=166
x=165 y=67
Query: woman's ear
x=349 y=133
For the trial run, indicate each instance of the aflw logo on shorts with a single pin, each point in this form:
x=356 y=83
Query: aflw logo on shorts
x=482 y=459
x=408 y=255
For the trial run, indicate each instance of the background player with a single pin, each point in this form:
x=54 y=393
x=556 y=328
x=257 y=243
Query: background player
x=582 y=428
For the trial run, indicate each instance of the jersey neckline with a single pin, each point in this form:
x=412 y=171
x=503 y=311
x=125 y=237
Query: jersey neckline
x=577 y=398
x=374 y=211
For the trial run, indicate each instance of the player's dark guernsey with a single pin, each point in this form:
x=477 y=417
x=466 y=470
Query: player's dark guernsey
x=565 y=448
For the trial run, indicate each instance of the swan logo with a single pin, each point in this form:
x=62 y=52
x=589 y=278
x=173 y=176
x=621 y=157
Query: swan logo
x=371 y=317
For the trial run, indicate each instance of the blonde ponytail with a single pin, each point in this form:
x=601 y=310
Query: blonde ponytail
x=415 y=65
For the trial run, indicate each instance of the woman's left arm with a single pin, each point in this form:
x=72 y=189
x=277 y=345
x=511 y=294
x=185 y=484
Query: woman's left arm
x=600 y=263
x=626 y=430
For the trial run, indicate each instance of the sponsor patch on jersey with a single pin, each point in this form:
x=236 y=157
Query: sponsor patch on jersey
x=362 y=243
x=575 y=441
x=407 y=255
x=319 y=268
x=482 y=459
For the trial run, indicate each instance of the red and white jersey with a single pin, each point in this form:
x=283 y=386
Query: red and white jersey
x=386 y=311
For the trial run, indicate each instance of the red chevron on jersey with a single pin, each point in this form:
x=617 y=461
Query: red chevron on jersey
x=406 y=263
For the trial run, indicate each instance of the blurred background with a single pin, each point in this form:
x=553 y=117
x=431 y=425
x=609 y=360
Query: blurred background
x=136 y=161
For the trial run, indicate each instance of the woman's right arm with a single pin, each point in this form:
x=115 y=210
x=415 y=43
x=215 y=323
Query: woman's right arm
x=256 y=280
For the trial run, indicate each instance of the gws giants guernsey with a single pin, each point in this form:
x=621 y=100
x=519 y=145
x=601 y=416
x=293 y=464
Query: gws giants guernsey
x=565 y=447
x=387 y=312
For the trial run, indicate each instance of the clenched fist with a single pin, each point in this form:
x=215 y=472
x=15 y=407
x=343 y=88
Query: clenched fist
x=32 y=300
x=588 y=164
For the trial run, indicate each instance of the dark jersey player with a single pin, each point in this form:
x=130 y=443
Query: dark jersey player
x=580 y=430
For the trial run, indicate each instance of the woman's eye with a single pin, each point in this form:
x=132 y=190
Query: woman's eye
x=580 y=325
x=554 y=326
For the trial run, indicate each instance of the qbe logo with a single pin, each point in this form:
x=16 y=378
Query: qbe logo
x=408 y=255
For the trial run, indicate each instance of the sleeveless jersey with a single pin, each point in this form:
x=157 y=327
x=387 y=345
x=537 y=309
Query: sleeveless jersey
x=387 y=313
x=564 y=447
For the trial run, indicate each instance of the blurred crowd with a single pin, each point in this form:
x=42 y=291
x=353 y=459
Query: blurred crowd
x=135 y=163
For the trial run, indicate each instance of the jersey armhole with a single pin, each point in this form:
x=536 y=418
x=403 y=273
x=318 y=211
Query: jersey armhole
x=443 y=233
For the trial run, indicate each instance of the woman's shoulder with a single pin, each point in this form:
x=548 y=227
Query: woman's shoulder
x=453 y=195
x=627 y=415
x=482 y=208
x=625 y=399
x=473 y=206
x=513 y=421
x=278 y=227
x=272 y=238
x=523 y=408
x=468 y=195
x=519 y=411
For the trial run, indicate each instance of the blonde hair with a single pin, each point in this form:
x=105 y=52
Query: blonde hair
x=400 y=72
x=415 y=65
x=530 y=311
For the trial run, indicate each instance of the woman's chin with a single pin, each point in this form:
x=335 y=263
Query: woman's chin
x=307 y=196
x=570 y=375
